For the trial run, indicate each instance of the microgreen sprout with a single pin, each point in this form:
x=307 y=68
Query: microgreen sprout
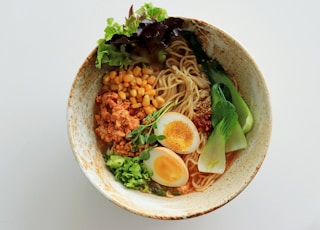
x=143 y=135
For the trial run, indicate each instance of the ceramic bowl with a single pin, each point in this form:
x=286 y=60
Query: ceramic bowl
x=235 y=59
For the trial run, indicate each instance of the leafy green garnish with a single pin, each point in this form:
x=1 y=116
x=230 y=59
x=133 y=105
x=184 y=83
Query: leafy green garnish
x=143 y=38
x=111 y=29
x=113 y=55
x=130 y=171
x=144 y=133
x=147 y=11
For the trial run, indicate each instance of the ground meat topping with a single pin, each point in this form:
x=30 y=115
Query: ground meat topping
x=202 y=117
x=114 y=121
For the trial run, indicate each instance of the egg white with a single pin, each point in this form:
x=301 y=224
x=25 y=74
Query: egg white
x=170 y=117
x=176 y=177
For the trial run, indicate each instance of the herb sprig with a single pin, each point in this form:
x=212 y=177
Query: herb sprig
x=144 y=133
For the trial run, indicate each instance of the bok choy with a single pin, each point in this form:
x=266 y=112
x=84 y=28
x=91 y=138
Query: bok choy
x=225 y=121
x=231 y=116
x=216 y=74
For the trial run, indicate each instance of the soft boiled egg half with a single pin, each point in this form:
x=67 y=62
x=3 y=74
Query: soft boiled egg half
x=181 y=135
x=167 y=167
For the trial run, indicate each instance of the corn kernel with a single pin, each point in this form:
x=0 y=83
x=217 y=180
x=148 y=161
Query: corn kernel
x=128 y=78
x=149 y=109
x=155 y=103
x=151 y=92
x=160 y=100
x=112 y=74
x=145 y=100
x=133 y=92
x=136 y=71
x=136 y=105
x=133 y=82
x=147 y=71
x=122 y=95
x=148 y=87
x=145 y=76
x=151 y=80
x=138 y=81
x=121 y=87
x=133 y=100
x=144 y=82
x=141 y=91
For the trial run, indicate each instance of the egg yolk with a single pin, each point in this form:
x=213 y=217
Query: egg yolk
x=179 y=136
x=167 y=168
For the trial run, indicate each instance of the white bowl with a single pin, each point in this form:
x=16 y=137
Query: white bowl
x=237 y=61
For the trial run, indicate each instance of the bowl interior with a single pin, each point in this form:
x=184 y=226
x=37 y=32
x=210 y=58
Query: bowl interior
x=236 y=61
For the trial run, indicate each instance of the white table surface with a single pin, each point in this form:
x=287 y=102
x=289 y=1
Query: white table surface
x=42 y=45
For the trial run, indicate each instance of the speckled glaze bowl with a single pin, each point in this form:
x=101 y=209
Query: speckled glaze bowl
x=235 y=60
